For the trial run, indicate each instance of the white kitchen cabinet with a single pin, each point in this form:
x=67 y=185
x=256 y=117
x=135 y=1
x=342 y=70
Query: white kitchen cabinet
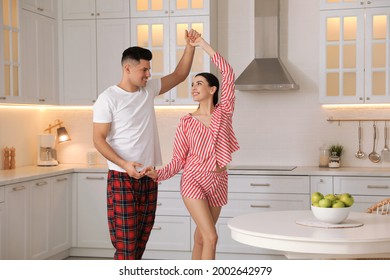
x=9 y=52
x=2 y=223
x=322 y=184
x=354 y=60
x=160 y=27
x=92 y=9
x=92 y=53
x=366 y=190
x=352 y=4
x=43 y=7
x=17 y=207
x=39 y=56
x=166 y=8
x=92 y=223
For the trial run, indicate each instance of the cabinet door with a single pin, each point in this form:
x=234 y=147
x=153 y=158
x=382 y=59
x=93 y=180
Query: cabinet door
x=153 y=34
x=39 y=59
x=149 y=8
x=43 y=7
x=113 y=37
x=322 y=184
x=348 y=4
x=16 y=221
x=39 y=231
x=80 y=86
x=182 y=93
x=78 y=9
x=60 y=213
x=377 y=71
x=92 y=223
x=112 y=9
x=2 y=223
x=342 y=56
x=189 y=7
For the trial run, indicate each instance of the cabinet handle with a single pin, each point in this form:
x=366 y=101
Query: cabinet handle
x=97 y=14
x=377 y=187
x=3 y=98
x=368 y=98
x=41 y=100
x=368 y=2
x=157 y=228
x=62 y=179
x=39 y=184
x=40 y=9
x=361 y=2
x=260 y=185
x=260 y=206
x=20 y=188
x=159 y=204
x=94 y=178
x=92 y=14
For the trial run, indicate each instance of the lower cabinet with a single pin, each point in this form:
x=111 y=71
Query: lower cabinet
x=2 y=223
x=38 y=218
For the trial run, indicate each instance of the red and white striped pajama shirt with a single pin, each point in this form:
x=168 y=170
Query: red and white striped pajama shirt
x=199 y=149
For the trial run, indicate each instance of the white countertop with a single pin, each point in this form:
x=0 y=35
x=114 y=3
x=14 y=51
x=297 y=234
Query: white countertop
x=27 y=173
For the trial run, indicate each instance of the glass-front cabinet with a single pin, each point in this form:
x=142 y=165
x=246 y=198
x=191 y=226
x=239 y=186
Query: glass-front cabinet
x=160 y=26
x=355 y=49
x=9 y=51
x=352 y=4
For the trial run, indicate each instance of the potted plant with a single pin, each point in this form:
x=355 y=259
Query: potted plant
x=335 y=155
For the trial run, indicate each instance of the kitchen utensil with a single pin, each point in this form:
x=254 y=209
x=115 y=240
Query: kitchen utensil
x=386 y=151
x=374 y=156
x=360 y=153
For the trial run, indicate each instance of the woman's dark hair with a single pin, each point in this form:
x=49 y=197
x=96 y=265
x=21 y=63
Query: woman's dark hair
x=136 y=53
x=213 y=82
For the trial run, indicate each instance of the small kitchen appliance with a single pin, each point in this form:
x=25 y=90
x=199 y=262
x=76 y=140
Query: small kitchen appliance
x=47 y=155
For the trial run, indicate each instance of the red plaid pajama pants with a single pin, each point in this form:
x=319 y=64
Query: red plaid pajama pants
x=131 y=208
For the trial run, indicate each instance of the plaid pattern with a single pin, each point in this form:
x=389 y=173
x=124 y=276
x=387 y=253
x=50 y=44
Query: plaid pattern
x=131 y=208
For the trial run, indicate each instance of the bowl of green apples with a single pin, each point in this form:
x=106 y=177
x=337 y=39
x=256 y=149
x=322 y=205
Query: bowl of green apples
x=331 y=208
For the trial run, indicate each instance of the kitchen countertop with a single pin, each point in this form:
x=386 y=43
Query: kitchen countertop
x=27 y=173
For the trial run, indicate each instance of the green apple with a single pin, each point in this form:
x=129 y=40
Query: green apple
x=338 y=204
x=316 y=204
x=331 y=197
x=325 y=203
x=316 y=197
x=347 y=199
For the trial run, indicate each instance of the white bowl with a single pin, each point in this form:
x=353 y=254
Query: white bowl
x=330 y=215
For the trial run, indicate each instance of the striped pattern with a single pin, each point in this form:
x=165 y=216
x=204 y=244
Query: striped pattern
x=200 y=148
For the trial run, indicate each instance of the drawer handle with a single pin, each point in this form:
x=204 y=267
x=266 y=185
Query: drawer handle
x=39 y=184
x=62 y=179
x=94 y=178
x=377 y=187
x=20 y=188
x=260 y=185
x=159 y=203
x=157 y=228
x=260 y=206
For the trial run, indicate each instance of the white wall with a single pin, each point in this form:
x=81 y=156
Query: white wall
x=275 y=128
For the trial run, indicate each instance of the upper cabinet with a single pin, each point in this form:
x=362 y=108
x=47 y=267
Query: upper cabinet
x=160 y=26
x=44 y=7
x=9 y=52
x=352 y=4
x=91 y=9
x=95 y=33
x=355 y=49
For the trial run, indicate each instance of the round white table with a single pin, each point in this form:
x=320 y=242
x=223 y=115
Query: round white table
x=369 y=236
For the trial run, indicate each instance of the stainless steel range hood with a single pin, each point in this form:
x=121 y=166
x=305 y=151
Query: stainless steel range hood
x=266 y=71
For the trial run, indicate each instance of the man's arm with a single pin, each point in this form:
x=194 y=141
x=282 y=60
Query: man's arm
x=183 y=67
x=100 y=132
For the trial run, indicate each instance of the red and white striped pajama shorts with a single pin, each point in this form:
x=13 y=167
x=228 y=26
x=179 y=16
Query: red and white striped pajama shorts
x=131 y=208
x=212 y=186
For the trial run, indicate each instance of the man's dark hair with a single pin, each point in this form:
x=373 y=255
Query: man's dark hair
x=136 y=53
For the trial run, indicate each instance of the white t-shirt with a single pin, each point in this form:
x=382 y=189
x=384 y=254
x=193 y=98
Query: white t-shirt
x=133 y=134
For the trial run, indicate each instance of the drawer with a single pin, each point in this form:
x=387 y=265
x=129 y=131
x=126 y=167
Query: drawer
x=2 y=194
x=172 y=184
x=269 y=184
x=170 y=233
x=362 y=185
x=171 y=203
x=239 y=204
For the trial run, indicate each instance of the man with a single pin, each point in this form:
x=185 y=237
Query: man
x=125 y=133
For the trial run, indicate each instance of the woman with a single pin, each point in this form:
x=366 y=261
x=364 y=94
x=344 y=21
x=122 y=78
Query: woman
x=203 y=145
